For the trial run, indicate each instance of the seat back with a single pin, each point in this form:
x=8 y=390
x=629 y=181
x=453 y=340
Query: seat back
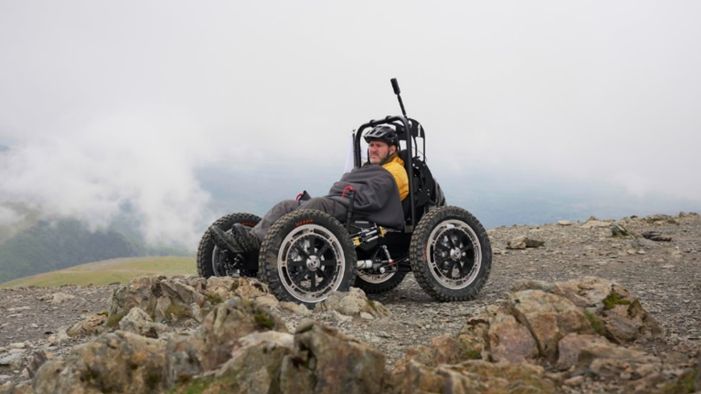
x=427 y=192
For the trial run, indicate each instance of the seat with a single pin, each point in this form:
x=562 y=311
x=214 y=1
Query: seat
x=426 y=190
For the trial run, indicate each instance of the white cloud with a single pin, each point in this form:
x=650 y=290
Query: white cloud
x=113 y=103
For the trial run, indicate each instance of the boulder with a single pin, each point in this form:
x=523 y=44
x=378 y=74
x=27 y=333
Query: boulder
x=327 y=361
x=211 y=345
x=611 y=309
x=60 y=298
x=352 y=303
x=617 y=230
x=523 y=242
x=139 y=322
x=548 y=317
x=661 y=219
x=475 y=376
x=91 y=325
x=592 y=354
x=179 y=298
x=115 y=362
x=509 y=340
x=254 y=366
x=656 y=236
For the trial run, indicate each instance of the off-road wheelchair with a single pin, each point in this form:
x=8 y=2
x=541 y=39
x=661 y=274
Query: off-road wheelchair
x=307 y=254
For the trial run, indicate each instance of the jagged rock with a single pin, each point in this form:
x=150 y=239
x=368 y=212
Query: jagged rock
x=91 y=325
x=474 y=335
x=254 y=366
x=11 y=388
x=115 y=362
x=509 y=340
x=612 y=310
x=595 y=223
x=548 y=317
x=59 y=298
x=592 y=354
x=529 y=284
x=624 y=317
x=327 y=361
x=617 y=230
x=268 y=300
x=139 y=322
x=295 y=308
x=586 y=292
x=12 y=359
x=212 y=343
x=523 y=242
x=221 y=288
x=656 y=219
x=655 y=236
x=178 y=298
x=35 y=361
x=352 y=303
x=59 y=337
x=475 y=376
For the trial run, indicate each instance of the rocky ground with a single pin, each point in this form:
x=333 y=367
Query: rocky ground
x=665 y=275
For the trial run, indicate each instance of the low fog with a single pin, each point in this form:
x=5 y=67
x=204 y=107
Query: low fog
x=110 y=106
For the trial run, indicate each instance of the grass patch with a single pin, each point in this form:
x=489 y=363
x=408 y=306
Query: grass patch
x=109 y=271
x=113 y=320
x=197 y=386
x=214 y=299
x=684 y=384
x=473 y=354
x=614 y=299
x=596 y=323
x=263 y=320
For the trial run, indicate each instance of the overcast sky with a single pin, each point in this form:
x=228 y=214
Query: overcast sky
x=111 y=103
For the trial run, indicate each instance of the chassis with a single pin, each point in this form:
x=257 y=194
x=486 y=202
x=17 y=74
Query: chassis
x=308 y=254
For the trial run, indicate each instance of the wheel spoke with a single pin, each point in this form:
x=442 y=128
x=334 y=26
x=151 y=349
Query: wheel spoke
x=300 y=249
x=313 y=278
x=442 y=246
x=323 y=249
x=451 y=269
x=297 y=275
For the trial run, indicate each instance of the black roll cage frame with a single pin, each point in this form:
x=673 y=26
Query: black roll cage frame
x=407 y=129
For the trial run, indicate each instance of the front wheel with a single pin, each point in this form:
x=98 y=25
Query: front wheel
x=215 y=261
x=306 y=255
x=450 y=254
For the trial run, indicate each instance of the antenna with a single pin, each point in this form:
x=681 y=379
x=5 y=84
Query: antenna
x=395 y=87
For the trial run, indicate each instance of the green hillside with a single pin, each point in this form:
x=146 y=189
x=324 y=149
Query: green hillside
x=48 y=246
x=30 y=245
x=109 y=271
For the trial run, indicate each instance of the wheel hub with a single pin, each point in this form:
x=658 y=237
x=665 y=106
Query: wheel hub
x=313 y=263
x=455 y=254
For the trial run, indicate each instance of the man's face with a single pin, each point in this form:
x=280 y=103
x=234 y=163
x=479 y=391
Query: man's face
x=379 y=150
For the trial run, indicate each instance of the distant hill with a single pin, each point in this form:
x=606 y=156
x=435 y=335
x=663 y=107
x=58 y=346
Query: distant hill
x=109 y=271
x=31 y=245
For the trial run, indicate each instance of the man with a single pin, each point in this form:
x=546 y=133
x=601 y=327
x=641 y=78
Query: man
x=378 y=188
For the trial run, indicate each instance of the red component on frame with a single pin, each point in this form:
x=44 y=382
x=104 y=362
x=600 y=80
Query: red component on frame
x=347 y=190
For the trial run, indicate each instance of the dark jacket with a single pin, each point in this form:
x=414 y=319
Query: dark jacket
x=376 y=195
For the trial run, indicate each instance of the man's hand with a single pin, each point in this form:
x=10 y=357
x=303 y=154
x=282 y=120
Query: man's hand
x=303 y=196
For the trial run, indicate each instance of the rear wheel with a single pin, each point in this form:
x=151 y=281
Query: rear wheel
x=306 y=255
x=215 y=261
x=450 y=254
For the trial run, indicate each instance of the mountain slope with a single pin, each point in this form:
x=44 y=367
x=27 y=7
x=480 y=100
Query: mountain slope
x=48 y=246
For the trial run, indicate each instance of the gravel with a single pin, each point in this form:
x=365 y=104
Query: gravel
x=666 y=276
